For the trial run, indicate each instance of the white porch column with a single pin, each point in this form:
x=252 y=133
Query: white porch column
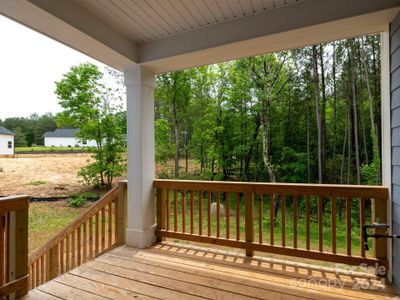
x=141 y=165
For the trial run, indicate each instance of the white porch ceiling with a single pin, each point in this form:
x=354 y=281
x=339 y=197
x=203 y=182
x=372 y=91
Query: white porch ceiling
x=148 y=20
x=166 y=35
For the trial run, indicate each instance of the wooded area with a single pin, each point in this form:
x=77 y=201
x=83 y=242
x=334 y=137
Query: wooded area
x=304 y=115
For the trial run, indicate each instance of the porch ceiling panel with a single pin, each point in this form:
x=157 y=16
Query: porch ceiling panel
x=148 y=20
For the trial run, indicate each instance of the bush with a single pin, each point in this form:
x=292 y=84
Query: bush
x=77 y=202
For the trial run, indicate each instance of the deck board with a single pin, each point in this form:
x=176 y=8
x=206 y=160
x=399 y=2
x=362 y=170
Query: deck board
x=171 y=271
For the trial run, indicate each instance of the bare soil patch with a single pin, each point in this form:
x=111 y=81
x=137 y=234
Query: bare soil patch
x=42 y=175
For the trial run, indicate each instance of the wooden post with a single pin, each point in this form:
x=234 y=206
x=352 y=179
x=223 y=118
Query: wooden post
x=52 y=263
x=122 y=212
x=379 y=214
x=249 y=220
x=161 y=208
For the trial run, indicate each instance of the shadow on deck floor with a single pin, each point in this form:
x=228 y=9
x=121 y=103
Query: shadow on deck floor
x=175 y=271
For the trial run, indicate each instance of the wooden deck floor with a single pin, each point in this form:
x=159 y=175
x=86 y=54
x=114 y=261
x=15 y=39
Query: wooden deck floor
x=167 y=271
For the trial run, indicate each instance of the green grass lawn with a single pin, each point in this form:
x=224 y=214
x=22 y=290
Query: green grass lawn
x=42 y=148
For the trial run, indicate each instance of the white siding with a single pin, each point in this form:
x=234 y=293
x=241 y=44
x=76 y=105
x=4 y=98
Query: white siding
x=4 y=140
x=65 y=142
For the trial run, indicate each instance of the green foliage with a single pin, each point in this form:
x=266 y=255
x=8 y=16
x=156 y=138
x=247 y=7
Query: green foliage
x=97 y=112
x=77 y=202
x=293 y=166
x=371 y=172
x=37 y=182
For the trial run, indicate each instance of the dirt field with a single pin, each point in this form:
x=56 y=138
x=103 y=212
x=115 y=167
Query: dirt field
x=42 y=175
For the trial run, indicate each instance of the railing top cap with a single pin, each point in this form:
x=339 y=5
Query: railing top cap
x=14 y=198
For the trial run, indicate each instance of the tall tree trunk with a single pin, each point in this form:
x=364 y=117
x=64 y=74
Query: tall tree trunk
x=355 y=117
x=176 y=137
x=344 y=145
x=334 y=106
x=317 y=112
x=308 y=140
x=186 y=150
x=348 y=144
x=323 y=113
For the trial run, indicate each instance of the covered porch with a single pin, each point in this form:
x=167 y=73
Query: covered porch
x=143 y=39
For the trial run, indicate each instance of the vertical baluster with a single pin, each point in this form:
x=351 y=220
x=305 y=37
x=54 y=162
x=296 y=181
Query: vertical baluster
x=260 y=219
x=209 y=213
x=295 y=206
x=348 y=225
x=184 y=211
x=320 y=229
x=362 y=222
x=62 y=251
x=308 y=222
x=73 y=249
x=103 y=228
x=271 y=218
x=110 y=224
x=237 y=216
x=38 y=272
x=116 y=238
x=249 y=221
x=228 y=213
x=2 y=261
x=333 y=223
x=191 y=212
x=79 y=245
x=42 y=268
x=85 y=243
x=67 y=254
x=91 y=237
x=218 y=212
x=96 y=234
x=175 y=211
x=200 y=198
x=167 y=209
x=283 y=220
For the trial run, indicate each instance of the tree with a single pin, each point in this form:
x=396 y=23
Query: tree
x=94 y=109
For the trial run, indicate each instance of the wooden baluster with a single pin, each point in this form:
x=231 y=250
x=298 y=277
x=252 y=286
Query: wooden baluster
x=67 y=253
x=175 y=211
x=103 y=228
x=85 y=242
x=2 y=245
x=348 y=225
x=121 y=214
x=237 y=216
x=184 y=211
x=116 y=235
x=52 y=263
x=200 y=195
x=191 y=212
x=362 y=222
x=228 y=213
x=209 y=213
x=79 y=246
x=218 y=212
x=260 y=219
x=38 y=271
x=283 y=220
x=249 y=221
x=167 y=209
x=96 y=233
x=91 y=237
x=62 y=251
x=295 y=207
x=110 y=221
x=42 y=269
x=308 y=222
x=73 y=249
x=320 y=229
x=271 y=218
x=161 y=208
x=333 y=223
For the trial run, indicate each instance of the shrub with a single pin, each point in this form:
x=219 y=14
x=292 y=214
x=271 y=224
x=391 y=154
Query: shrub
x=77 y=202
x=38 y=182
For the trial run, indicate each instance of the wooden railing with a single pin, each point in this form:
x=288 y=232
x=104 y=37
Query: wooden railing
x=13 y=246
x=97 y=230
x=322 y=222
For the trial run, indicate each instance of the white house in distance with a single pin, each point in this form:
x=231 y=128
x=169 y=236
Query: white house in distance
x=65 y=137
x=6 y=142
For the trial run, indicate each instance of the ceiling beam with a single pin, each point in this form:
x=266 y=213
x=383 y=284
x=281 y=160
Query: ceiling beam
x=305 y=23
x=71 y=24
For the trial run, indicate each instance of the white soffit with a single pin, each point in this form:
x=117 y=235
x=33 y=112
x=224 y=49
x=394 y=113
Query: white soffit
x=149 y=20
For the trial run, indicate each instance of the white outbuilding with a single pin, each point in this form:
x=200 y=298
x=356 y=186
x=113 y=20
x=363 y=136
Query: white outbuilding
x=65 y=137
x=6 y=142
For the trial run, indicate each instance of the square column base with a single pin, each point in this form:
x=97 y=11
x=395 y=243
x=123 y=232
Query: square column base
x=140 y=239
